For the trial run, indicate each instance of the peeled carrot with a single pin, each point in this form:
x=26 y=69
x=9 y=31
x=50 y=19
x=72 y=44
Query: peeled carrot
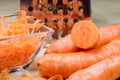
x=17 y=52
x=3 y=74
x=66 y=64
x=65 y=44
x=108 y=69
x=108 y=33
x=85 y=34
x=56 y=77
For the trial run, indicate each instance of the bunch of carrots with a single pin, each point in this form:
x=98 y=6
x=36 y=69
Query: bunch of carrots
x=17 y=51
x=87 y=53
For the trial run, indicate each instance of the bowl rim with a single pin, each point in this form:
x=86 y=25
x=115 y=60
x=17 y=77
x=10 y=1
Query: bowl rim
x=49 y=31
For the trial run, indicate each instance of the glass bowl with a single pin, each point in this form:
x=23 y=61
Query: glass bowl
x=17 y=52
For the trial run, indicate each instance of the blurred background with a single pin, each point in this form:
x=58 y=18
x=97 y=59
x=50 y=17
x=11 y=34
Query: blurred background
x=103 y=12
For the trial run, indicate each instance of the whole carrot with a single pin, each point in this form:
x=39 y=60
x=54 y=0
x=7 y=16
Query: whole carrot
x=108 y=69
x=66 y=64
x=65 y=44
x=108 y=33
x=85 y=34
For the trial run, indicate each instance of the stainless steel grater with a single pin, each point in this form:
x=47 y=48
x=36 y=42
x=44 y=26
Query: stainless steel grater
x=60 y=15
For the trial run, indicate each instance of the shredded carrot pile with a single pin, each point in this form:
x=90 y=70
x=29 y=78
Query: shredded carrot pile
x=16 y=52
x=21 y=25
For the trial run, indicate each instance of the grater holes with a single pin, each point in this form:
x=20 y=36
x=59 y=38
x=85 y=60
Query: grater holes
x=50 y=8
x=45 y=20
x=65 y=20
x=49 y=1
x=30 y=8
x=69 y=0
x=80 y=8
x=75 y=20
x=70 y=8
x=65 y=11
x=55 y=20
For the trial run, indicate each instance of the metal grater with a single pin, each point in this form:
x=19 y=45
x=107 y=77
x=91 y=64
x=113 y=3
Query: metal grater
x=60 y=15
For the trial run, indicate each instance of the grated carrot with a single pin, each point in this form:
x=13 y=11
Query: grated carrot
x=17 y=52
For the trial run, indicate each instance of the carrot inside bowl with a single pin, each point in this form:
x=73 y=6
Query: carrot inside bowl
x=20 y=40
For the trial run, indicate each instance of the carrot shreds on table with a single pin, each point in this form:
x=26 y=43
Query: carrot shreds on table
x=3 y=74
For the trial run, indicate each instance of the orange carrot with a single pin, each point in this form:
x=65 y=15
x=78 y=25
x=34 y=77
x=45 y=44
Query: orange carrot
x=17 y=52
x=85 y=34
x=108 y=33
x=3 y=74
x=56 y=77
x=87 y=38
x=108 y=69
x=65 y=64
x=63 y=45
